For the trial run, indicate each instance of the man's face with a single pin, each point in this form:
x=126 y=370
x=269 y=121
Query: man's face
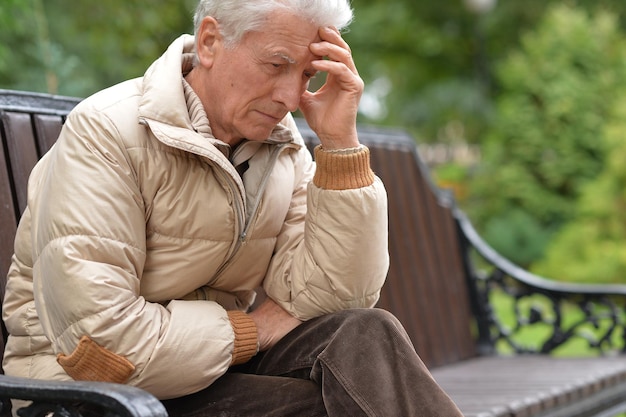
x=251 y=87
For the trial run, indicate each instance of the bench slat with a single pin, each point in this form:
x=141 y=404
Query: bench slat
x=530 y=386
x=8 y=221
x=48 y=128
x=425 y=250
x=534 y=385
x=22 y=151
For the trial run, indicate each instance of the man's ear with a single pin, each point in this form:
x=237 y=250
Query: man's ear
x=207 y=42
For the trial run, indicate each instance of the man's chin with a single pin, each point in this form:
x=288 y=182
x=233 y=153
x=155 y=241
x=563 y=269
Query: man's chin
x=260 y=134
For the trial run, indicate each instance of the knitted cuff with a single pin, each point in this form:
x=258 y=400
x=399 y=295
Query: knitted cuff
x=92 y=362
x=343 y=171
x=246 y=343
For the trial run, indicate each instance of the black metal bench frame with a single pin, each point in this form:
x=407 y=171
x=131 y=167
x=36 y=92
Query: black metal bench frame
x=441 y=284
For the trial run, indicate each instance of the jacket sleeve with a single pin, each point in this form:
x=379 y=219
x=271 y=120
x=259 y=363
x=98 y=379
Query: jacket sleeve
x=332 y=253
x=89 y=249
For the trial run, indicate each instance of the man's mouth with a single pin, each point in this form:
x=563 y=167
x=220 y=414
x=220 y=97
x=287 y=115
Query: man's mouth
x=271 y=117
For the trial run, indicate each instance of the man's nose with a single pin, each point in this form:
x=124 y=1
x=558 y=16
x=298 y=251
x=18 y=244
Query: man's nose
x=288 y=92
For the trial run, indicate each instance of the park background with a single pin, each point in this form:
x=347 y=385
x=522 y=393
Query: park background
x=519 y=106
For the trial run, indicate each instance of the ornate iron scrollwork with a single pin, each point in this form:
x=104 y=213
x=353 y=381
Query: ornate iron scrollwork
x=596 y=319
x=519 y=312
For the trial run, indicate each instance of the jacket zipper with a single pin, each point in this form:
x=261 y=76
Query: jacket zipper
x=276 y=151
x=248 y=220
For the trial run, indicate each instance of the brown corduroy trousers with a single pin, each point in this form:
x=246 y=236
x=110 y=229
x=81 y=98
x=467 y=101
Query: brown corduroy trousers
x=352 y=363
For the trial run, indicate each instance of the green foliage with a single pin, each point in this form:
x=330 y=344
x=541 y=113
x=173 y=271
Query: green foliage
x=80 y=47
x=451 y=172
x=518 y=236
x=592 y=247
x=11 y=31
x=438 y=57
x=424 y=50
x=547 y=138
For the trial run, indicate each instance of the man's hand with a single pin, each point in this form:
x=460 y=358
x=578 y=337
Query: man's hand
x=332 y=110
x=272 y=323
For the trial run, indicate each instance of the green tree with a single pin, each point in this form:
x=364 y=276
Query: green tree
x=422 y=56
x=436 y=59
x=547 y=137
x=592 y=247
x=78 y=48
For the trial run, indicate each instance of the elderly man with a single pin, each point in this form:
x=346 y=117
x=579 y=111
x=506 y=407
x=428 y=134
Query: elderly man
x=168 y=199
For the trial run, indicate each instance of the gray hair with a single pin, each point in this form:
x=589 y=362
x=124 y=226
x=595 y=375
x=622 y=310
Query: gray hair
x=236 y=17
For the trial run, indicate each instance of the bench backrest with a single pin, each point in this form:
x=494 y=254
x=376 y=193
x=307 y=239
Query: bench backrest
x=426 y=287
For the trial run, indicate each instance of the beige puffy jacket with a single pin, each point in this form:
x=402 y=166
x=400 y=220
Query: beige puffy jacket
x=141 y=238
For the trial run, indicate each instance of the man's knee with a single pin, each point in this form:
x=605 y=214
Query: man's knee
x=371 y=321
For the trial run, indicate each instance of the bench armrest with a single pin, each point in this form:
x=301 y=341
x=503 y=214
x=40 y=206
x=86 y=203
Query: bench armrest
x=536 y=304
x=61 y=398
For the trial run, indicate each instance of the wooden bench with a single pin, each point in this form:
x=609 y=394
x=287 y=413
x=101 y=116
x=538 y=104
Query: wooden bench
x=442 y=282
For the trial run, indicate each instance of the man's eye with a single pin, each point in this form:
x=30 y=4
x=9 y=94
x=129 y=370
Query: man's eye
x=310 y=74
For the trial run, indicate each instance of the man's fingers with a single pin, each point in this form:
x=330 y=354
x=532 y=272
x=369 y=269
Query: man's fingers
x=333 y=47
x=339 y=72
x=334 y=53
x=332 y=35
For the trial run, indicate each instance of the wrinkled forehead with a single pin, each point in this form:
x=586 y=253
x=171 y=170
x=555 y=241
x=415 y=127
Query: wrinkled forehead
x=286 y=37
